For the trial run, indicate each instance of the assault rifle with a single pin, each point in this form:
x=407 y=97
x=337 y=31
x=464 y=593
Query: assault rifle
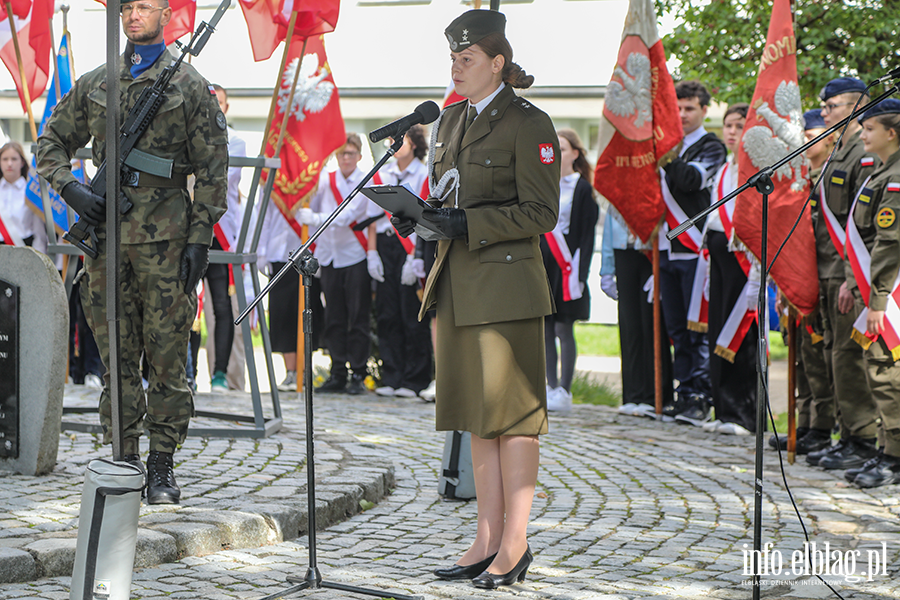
x=136 y=123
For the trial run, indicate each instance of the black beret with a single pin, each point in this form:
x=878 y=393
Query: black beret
x=471 y=26
x=841 y=85
x=813 y=119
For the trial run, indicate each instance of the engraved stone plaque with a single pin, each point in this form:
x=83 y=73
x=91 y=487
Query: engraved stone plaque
x=9 y=370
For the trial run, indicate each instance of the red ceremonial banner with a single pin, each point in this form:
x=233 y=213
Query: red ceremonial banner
x=315 y=126
x=267 y=21
x=640 y=124
x=182 y=22
x=32 y=27
x=773 y=129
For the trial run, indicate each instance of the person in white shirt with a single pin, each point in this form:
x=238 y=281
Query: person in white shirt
x=19 y=225
x=341 y=252
x=404 y=343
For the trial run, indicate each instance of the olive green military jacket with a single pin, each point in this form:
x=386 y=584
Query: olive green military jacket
x=846 y=172
x=876 y=217
x=189 y=129
x=508 y=166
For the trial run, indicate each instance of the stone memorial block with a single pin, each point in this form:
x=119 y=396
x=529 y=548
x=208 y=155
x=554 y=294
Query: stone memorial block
x=33 y=357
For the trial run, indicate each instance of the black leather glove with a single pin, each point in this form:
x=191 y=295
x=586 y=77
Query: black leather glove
x=451 y=222
x=88 y=205
x=403 y=226
x=194 y=261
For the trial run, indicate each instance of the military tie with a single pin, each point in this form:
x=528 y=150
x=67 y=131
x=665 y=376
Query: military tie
x=470 y=117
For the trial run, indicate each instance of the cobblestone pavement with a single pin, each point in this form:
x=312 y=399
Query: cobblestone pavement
x=625 y=508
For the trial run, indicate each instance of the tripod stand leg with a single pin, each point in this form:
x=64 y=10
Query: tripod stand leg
x=287 y=592
x=357 y=590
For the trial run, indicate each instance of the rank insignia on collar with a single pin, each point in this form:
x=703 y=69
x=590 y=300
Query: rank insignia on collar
x=885 y=218
x=865 y=196
x=837 y=178
x=136 y=59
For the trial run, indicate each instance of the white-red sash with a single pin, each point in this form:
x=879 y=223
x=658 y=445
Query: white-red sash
x=8 y=238
x=835 y=231
x=339 y=198
x=860 y=260
x=223 y=241
x=404 y=241
x=726 y=215
x=568 y=264
x=675 y=216
x=698 y=309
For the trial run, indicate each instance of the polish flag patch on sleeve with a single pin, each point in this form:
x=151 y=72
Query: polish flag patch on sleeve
x=211 y=89
x=547 y=154
x=893 y=187
x=867 y=161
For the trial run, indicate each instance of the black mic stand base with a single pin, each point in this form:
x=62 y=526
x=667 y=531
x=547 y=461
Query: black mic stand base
x=306 y=264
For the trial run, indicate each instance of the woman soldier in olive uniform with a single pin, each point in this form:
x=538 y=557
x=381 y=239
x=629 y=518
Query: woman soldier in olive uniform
x=496 y=180
x=875 y=217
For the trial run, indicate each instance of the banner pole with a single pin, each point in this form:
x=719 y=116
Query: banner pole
x=657 y=344
x=274 y=103
x=26 y=93
x=792 y=388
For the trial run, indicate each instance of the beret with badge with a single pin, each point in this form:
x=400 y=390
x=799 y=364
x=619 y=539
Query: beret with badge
x=472 y=26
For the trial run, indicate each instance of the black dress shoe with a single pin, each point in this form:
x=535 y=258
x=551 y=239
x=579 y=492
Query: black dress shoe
x=333 y=385
x=161 y=486
x=489 y=581
x=782 y=439
x=355 y=387
x=854 y=454
x=467 y=572
x=813 y=458
x=850 y=474
x=884 y=472
x=813 y=441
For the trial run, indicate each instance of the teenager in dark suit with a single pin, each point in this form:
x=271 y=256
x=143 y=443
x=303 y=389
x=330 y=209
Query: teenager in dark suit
x=494 y=170
x=568 y=267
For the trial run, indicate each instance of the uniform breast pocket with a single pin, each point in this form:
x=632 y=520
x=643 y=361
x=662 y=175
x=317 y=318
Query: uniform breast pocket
x=494 y=170
x=168 y=127
x=507 y=252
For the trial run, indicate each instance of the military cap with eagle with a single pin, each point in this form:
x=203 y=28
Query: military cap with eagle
x=472 y=26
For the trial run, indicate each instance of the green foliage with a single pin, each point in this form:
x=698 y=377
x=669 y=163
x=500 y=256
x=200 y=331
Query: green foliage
x=587 y=390
x=597 y=340
x=720 y=42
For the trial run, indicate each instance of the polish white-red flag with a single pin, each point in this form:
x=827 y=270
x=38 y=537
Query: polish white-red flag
x=774 y=128
x=31 y=22
x=315 y=126
x=182 y=22
x=450 y=96
x=640 y=124
x=268 y=20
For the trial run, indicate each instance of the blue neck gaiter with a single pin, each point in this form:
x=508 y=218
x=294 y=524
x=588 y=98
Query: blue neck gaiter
x=144 y=57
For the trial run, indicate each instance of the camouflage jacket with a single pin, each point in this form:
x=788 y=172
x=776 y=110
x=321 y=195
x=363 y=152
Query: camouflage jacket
x=189 y=129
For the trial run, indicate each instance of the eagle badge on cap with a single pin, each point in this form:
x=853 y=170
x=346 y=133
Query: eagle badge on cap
x=453 y=44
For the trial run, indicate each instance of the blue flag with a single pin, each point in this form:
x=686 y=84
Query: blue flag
x=33 y=189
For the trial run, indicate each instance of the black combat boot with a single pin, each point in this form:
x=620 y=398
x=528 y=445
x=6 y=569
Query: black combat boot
x=161 y=486
x=854 y=454
x=885 y=471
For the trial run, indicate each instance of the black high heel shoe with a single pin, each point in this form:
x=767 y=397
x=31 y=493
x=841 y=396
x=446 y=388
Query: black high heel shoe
x=490 y=581
x=465 y=572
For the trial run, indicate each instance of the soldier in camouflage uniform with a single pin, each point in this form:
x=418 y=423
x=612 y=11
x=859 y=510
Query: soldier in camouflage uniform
x=165 y=237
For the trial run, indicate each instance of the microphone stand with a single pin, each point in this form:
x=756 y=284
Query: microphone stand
x=762 y=181
x=306 y=264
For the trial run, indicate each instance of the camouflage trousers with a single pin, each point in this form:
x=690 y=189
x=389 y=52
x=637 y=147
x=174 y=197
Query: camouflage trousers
x=155 y=321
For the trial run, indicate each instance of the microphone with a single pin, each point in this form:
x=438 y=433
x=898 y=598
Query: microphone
x=425 y=113
x=895 y=74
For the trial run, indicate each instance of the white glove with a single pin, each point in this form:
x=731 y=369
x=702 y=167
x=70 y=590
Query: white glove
x=648 y=287
x=407 y=273
x=308 y=217
x=376 y=268
x=418 y=265
x=608 y=285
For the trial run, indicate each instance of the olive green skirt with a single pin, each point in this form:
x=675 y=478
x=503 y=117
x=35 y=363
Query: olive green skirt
x=491 y=379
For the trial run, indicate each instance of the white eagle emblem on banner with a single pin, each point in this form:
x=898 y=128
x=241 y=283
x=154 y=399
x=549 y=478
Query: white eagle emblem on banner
x=632 y=95
x=766 y=145
x=313 y=93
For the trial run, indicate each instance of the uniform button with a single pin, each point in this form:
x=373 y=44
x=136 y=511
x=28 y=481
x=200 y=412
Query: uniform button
x=483 y=242
x=487 y=161
x=508 y=257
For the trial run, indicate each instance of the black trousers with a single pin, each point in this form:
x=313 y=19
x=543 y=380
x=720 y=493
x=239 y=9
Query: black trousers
x=283 y=308
x=348 y=300
x=403 y=342
x=633 y=268
x=733 y=384
x=217 y=288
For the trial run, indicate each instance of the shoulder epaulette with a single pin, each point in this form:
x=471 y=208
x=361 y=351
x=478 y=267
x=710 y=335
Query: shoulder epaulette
x=523 y=103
